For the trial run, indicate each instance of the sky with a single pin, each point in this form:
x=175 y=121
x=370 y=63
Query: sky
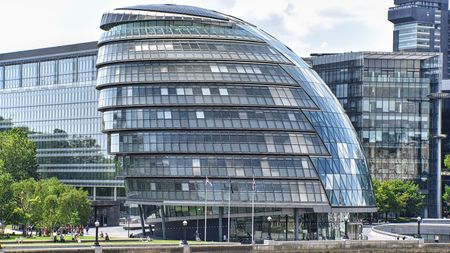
x=306 y=26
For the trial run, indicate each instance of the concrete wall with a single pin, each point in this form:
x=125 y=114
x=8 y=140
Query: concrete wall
x=276 y=247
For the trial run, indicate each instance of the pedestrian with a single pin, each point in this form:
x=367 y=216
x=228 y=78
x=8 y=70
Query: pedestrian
x=106 y=237
x=87 y=229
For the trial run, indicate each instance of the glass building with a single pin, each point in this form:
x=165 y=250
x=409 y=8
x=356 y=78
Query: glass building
x=189 y=94
x=51 y=92
x=385 y=97
x=421 y=26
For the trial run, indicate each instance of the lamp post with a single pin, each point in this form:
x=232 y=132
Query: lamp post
x=184 y=241
x=1 y=228
x=269 y=219
x=97 y=224
x=419 y=220
x=152 y=226
x=346 y=227
x=437 y=96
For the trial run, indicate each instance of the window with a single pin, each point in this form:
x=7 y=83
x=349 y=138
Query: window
x=200 y=115
x=164 y=91
x=223 y=91
x=206 y=91
x=180 y=91
x=214 y=68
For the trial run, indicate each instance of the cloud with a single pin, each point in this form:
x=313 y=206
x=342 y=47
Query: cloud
x=297 y=23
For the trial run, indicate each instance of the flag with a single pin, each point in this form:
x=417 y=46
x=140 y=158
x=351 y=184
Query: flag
x=207 y=181
x=254 y=184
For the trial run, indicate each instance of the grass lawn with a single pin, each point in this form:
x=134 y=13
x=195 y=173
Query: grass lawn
x=102 y=242
x=42 y=238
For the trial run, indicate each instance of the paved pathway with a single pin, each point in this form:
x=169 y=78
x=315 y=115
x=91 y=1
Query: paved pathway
x=372 y=235
x=113 y=232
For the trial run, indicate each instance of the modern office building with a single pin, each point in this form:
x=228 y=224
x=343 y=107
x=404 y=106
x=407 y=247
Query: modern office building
x=385 y=96
x=191 y=95
x=445 y=142
x=51 y=92
x=421 y=26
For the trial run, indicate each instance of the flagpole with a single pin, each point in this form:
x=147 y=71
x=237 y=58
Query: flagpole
x=253 y=210
x=229 y=209
x=206 y=205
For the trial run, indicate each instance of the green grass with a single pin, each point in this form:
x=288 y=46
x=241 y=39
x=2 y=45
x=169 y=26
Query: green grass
x=102 y=242
x=43 y=238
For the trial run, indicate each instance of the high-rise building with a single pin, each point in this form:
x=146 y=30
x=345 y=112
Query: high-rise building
x=51 y=92
x=421 y=26
x=204 y=109
x=386 y=98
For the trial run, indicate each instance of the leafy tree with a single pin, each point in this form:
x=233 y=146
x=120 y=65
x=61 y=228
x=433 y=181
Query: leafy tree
x=18 y=154
x=447 y=161
x=50 y=203
x=398 y=197
x=6 y=194
x=446 y=198
x=385 y=197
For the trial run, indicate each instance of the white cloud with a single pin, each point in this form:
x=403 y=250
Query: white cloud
x=33 y=24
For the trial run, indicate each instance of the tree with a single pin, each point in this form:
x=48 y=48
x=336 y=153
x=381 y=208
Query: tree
x=18 y=154
x=50 y=203
x=384 y=196
x=446 y=198
x=447 y=161
x=401 y=198
x=6 y=194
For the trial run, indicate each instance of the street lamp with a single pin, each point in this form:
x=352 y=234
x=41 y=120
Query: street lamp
x=1 y=228
x=152 y=229
x=419 y=219
x=346 y=227
x=97 y=224
x=269 y=219
x=184 y=242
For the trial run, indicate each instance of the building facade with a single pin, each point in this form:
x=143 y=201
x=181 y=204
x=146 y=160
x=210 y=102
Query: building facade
x=385 y=96
x=421 y=26
x=51 y=92
x=204 y=109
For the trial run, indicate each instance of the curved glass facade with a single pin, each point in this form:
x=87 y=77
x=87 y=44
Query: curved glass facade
x=188 y=96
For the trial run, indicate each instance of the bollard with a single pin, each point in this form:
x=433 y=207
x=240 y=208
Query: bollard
x=98 y=249
x=186 y=248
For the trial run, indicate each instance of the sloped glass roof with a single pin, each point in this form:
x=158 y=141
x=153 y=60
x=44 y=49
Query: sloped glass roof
x=179 y=9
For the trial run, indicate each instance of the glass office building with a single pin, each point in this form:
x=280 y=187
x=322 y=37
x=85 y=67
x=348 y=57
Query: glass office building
x=51 y=92
x=385 y=97
x=189 y=94
x=421 y=26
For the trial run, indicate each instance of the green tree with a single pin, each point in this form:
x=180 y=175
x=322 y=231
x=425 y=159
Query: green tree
x=447 y=161
x=18 y=154
x=386 y=200
x=446 y=198
x=6 y=194
x=401 y=198
x=50 y=203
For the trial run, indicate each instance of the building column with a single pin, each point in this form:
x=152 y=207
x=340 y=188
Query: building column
x=94 y=193
x=296 y=221
x=141 y=214
x=286 y=228
x=220 y=224
x=163 y=221
x=115 y=193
